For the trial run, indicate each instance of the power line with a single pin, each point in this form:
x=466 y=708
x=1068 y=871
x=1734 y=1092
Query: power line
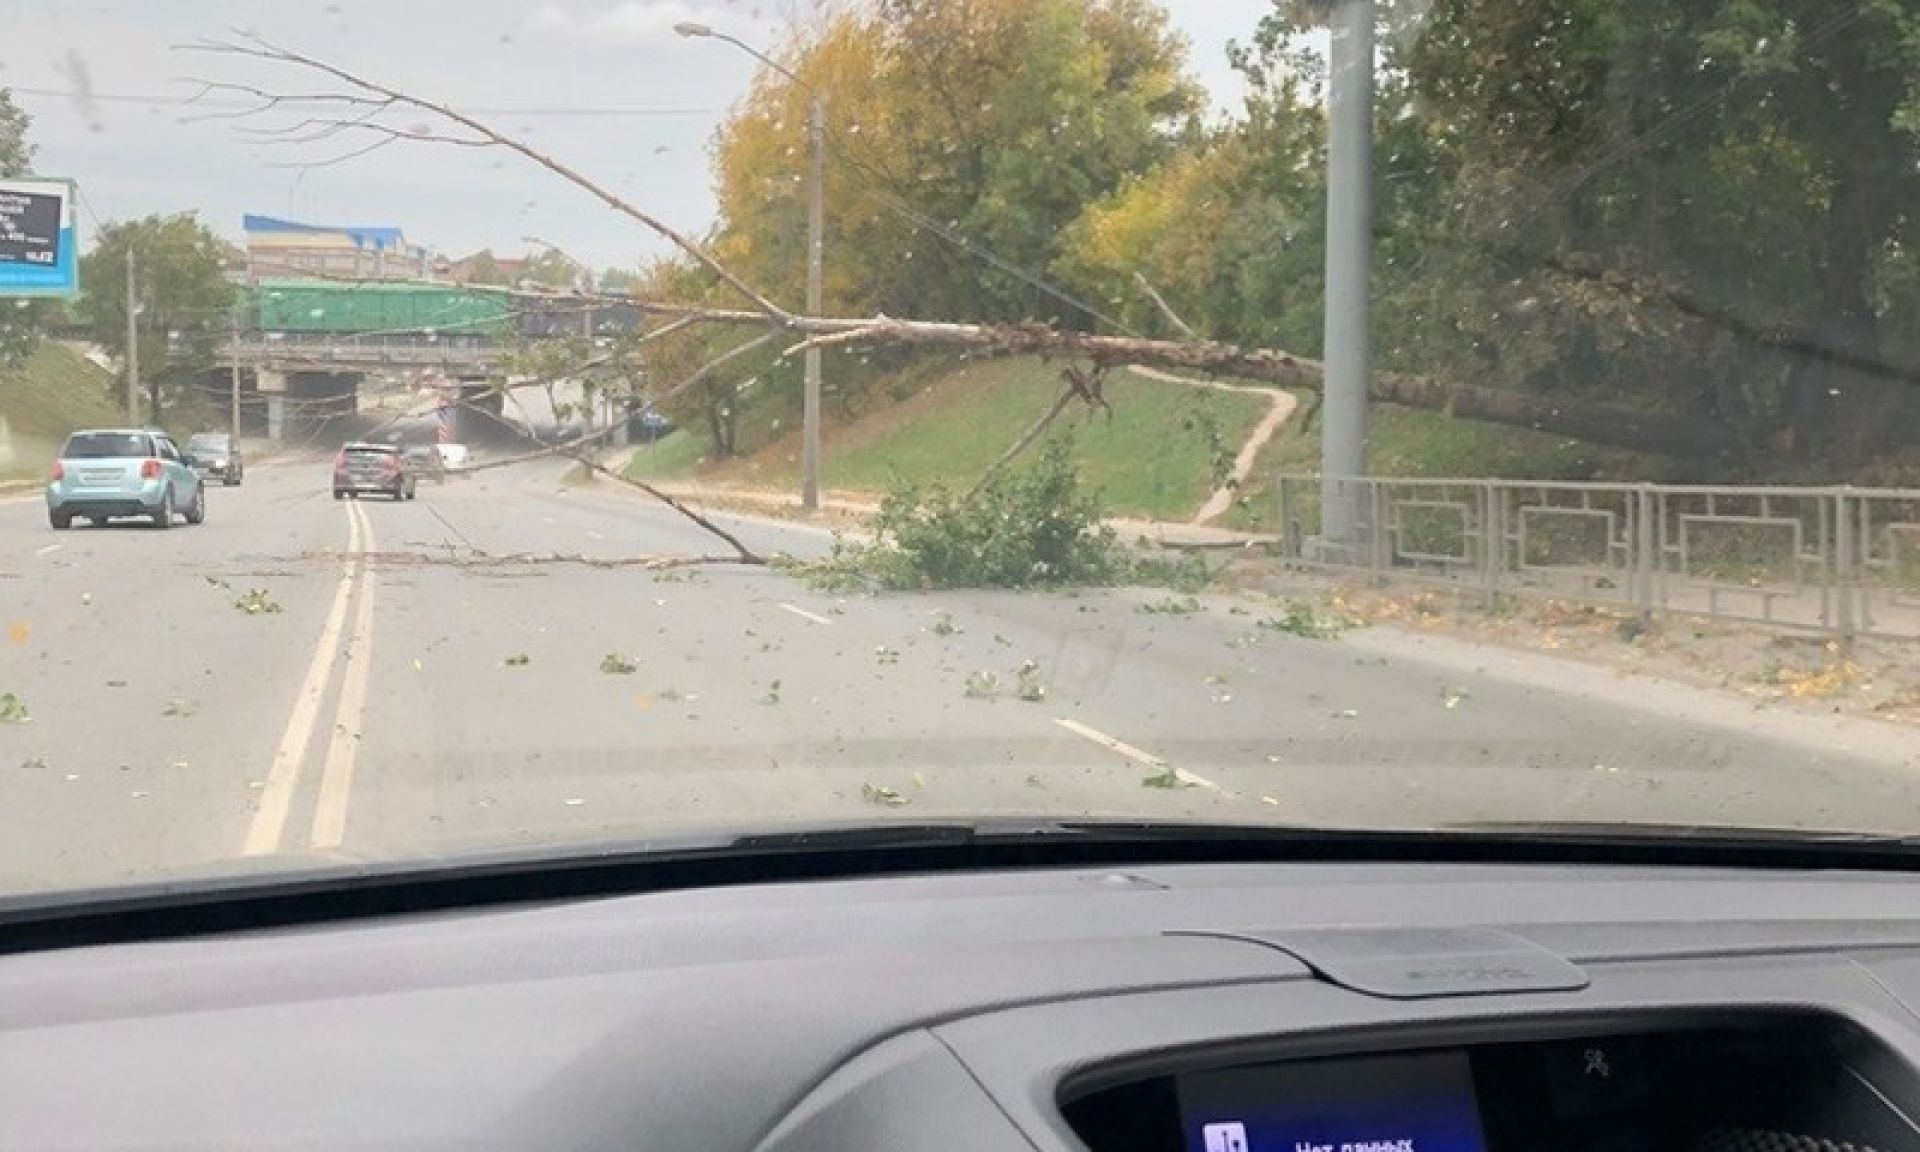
x=211 y=104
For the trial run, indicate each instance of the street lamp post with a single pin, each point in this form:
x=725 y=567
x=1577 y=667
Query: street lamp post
x=816 y=247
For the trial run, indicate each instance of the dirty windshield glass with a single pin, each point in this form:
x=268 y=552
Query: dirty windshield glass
x=1407 y=414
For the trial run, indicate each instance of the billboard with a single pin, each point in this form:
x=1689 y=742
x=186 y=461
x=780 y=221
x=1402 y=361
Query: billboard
x=39 y=247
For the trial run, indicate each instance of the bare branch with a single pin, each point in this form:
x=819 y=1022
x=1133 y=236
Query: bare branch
x=258 y=48
x=1033 y=433
x=1166 y=310
x=747 y=555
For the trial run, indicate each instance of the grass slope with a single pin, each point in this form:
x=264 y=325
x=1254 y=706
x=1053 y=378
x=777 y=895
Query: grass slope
x=54 y=392
x=1152 y=456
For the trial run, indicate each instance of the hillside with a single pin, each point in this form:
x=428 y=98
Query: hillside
x=55 y=391
x=1152 y=456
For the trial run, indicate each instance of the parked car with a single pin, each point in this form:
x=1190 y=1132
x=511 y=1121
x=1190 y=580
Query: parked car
x=366 y=468
x=216 y=454
x=106 y=473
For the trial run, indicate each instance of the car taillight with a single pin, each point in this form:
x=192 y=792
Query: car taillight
x=149 y=469
x=59 y=470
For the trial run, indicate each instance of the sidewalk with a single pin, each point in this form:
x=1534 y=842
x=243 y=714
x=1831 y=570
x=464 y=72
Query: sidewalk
x=852 y=507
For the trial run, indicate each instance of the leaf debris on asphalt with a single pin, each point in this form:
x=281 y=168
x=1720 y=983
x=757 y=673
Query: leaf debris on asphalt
x=614 y=664
x=982 y=685
x=179 y=706
x=13 y=710
x=256 y=601
x=1169 y=778
x=882 y=795
x=1028 y=686
x=518 y=660
x=1451 y=697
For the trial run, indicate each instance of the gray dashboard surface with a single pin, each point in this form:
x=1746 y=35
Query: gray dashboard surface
x=906 y=1013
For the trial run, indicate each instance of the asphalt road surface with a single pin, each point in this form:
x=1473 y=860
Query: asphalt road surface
x=435 y=676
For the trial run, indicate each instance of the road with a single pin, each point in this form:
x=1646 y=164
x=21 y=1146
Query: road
x=432 y=681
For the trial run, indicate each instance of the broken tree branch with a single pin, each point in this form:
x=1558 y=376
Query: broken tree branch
x=1166 y=310
x=258 y=48
x=747 y=555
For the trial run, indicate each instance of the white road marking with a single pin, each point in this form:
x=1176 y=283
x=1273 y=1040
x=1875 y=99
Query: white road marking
x=343 y=743
x=48 y=550
x=276 y=798
x=806 y=615
x=595 y=536
x=1132 y=753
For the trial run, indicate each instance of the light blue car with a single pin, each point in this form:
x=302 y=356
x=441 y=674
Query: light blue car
x=122 y=472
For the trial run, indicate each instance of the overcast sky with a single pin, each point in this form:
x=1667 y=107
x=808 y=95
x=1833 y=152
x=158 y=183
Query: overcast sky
x=602 y=84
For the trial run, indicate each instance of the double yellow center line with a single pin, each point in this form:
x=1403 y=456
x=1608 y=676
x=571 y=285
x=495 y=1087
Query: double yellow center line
x=266 y=833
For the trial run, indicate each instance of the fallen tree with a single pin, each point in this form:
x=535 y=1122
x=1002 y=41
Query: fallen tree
x=357 y=109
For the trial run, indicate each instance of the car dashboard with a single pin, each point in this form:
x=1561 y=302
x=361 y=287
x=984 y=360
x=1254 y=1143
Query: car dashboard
x=1207 y=1007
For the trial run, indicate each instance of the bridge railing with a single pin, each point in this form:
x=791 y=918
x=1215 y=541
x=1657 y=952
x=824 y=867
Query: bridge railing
x=400 y=350
x=1844 y=561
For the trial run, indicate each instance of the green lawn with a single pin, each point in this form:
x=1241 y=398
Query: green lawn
x=673 y=457
x=1149 y=457
x=1410 y=442
x=54 y=392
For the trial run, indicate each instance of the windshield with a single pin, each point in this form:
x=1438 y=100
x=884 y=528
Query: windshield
x=1371 y=414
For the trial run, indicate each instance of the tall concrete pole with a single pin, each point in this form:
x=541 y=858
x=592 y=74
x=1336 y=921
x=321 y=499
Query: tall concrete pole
x=816 y=242
x=133 y=345
x=1343 y=445
x=233 y=383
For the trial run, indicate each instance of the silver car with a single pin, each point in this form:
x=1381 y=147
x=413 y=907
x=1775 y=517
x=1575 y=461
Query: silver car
x=107 y=473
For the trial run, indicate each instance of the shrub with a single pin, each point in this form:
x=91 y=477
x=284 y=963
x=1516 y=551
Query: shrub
x=1035 y=527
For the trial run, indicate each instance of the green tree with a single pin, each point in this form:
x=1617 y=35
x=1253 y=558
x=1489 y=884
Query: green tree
x=992 y=121
x=182 y=299
x=21 y=321
x=1707 y=207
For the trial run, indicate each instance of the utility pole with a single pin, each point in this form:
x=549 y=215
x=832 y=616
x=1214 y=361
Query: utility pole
x=816 y=242
x=1343 y=445
x=233 y=383
x=133 y=345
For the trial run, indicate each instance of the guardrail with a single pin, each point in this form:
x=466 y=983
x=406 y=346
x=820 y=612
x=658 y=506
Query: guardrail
x=1844 y=561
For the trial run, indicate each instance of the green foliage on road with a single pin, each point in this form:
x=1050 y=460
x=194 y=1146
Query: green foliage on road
x=49 y=395
x=1032 y=526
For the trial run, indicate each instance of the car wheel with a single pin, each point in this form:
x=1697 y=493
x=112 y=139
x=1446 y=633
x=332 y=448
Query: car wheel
x=61 y=521
x=339 y=495
x=163 y=518
x=197 y=511
x=410 y=489
x=232 y=480
x=96 y=521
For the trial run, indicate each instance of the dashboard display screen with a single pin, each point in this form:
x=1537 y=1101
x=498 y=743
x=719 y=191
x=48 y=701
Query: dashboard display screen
x=1416 y=1102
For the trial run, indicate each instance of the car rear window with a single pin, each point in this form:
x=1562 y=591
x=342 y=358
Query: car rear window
x=372 y=450
x=103 y=445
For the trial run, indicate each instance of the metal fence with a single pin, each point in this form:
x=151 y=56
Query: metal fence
x=1838 y=560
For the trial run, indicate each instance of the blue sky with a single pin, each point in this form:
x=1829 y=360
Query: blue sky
x=657 y=99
